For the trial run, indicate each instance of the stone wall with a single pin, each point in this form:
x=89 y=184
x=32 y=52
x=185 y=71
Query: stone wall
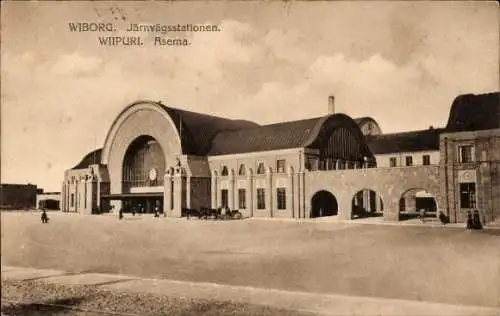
x=388 y=183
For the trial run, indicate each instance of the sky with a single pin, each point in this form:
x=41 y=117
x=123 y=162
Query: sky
x=401 y=63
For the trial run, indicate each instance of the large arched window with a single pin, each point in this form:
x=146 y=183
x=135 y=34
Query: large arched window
x=144 y=163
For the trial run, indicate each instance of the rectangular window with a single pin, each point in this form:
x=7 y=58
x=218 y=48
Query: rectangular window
x=465 y=153
x=72 y=199
x=311 y=164
x=281 y=196
x=468 y=195
x=409 y=160
x=426 y=160
x=171 y=195
x=224 y=197
x=242 y=199
x=280 y=166
x=85 y=196
x=261 y=199
x=392 y=162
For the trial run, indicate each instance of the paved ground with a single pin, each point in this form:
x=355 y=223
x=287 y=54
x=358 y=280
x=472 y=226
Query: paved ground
x=324 y=304
x=432 y=264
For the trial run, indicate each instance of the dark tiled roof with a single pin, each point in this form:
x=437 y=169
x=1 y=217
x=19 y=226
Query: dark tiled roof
x=268 y=137
x=198 y=130
x=404 y=142
x=91 y=158
x=294 y=134
x=471 y=112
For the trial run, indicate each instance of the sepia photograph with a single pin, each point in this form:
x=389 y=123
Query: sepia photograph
x=250 y=158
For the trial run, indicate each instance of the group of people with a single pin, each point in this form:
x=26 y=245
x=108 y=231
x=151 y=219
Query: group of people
x=473 y=220
x=141 y=211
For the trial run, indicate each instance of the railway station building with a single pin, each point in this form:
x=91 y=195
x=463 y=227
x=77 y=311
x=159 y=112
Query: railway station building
x=156 y=155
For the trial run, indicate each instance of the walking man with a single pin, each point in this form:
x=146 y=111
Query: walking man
x=45 y=218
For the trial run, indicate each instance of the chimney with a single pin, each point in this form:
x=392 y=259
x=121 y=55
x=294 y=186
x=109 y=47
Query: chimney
x=331 y=105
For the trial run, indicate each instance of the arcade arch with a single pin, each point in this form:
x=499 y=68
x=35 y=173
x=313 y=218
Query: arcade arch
x=323 y=203
x=415 y=199
x=366 y=203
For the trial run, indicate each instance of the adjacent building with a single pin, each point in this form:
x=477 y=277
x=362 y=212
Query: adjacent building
x=18 y=196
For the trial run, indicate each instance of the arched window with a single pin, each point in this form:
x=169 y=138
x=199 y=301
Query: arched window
x=224 y=171
x=241 y=171
x=260 y=168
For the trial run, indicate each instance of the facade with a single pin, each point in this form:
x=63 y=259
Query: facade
x=18 y=196
x=470 y=172
x=159 y=157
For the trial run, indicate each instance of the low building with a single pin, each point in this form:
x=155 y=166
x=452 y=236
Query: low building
x=17 y=196
x=48 y=200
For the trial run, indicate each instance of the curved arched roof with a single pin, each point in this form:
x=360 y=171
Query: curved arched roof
x=361 y=120
x=294 y=134
x=92 y=158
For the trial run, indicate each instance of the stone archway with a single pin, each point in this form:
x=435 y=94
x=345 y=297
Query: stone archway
x=323 y=203
x=413 y=200
x=366 y=203
x=140 y=118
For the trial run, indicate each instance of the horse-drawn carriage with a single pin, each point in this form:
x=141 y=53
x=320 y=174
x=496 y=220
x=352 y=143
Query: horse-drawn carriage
x=211 y=213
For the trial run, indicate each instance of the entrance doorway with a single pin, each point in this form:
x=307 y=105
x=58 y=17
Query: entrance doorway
x=142 y=205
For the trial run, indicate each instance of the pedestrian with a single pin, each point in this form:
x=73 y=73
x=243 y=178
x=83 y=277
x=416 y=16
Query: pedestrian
x=476 y=221
x=120 y=214
x=133 y=210
x=157 y=212
x=470 y=224
x=45 y=218
x=443 y=218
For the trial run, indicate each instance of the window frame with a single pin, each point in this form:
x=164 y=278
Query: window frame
x=391 y=160
x=261 y=199
x=460 y=152
x=467 y=195
x=224 y=195
x=281 y=198
x=283 y=168
x=426 y=160
x=242 y=170
x=242 y=199
x=410 y=159
x=261 y=168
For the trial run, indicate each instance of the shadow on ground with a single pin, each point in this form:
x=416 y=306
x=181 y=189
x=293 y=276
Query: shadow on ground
x=61 y=306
